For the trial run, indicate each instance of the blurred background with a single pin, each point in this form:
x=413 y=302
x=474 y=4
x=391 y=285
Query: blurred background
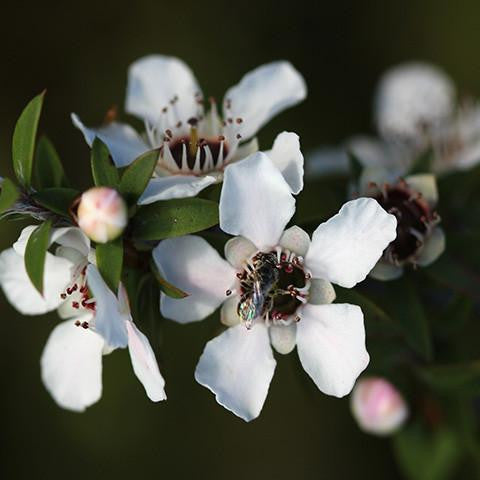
x=80 y=52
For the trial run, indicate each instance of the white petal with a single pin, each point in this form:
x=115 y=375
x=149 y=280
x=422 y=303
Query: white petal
x=296 y=240
x=321 y=292
x=385 y=271
x=326 y=161
x=426 y=184
x=331 y=346
x=255 y=202
x=20 y=291
x=21 y=244
x=238 y=250
x=109 y=317
x=433 y=248
x=245 y=149
x=174 y=186
x=71 y=366
x=238 y=366
x=228 y=313
x=283 y=337
x=264 y=92
x=192 y=265
x=154 y=81
x=123 y=142
x=288 y=158
x=145 y=364
x=345 y=248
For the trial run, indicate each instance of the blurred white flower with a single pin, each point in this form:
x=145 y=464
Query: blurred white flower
x=102 y=214
x=377 y=406
x=276 y=283
x=195 y=144
x=412 y=99
x=98 y=321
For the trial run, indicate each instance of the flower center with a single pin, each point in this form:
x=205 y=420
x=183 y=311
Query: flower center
x=415 y=220
x=273 y=286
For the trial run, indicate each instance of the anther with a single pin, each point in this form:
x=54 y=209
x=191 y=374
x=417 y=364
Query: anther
x=228 y=293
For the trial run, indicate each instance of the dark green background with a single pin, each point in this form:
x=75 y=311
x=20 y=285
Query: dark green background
x=80 y=53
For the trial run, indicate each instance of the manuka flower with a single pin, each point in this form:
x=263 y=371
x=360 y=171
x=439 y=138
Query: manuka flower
x=274 y=288
x=195 y=145
x=97 y=321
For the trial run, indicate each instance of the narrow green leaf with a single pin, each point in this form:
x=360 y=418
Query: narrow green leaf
x=8 y=194
x=110 y=262
x=166 y=287
x=137 y=175
x=104 y=172
x=23 y=144
x=356 y=165
x=172 y=218
x=58 y=200
x=49 y=171
x=453 y=378
x=35 y=254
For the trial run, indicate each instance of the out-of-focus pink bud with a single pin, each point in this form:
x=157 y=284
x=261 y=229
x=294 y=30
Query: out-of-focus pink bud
x=378 y=406
x=102 y=214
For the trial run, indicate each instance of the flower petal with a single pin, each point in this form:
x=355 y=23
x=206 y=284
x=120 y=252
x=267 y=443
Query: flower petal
x=255 y=202
x=145 y=364
x=296 y=240
x=426 y=184
x=238 y=366
x=238 y=250
x=175 y=186
x=326 y=161
x=433 y=248
x=123 y=142
x=386 y=271
x=262 y=93
x=71 y=365
x=228 y=312
x=288 y=158
x=331 y=346
x=321 y=292
x=192 y=265
x=20 y=291
x=283 y=337
x=154 y=81
x=109 y=317
x=345 y=248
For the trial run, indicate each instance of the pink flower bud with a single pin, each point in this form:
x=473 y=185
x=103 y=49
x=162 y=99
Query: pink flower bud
x=102 y=214
x=378 y=406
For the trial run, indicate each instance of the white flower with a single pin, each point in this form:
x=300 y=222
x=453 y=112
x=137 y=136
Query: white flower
x=420 y=240
x=411 y=99
x=195 y=145
x=276 y=282
x=71 y=362
x=377 y=406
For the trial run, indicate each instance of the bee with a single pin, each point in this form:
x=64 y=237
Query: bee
x=257 y=286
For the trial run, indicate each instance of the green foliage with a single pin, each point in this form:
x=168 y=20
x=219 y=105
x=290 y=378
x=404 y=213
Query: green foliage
x=58 y=200
x=166 y=287
x=23 y=144
x=35 y=254
x=137 y=175
x=110 y=262
x=172 y=218
x=48 y=167
x=104 y=172
x=8 y=194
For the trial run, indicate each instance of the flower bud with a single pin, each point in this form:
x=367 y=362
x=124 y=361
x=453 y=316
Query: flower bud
x=102 y=214
x=378 y=407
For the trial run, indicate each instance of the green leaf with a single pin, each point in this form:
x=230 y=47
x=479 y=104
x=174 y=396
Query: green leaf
x=104 y=172
x=427 y=455
x=356 y=166
x=35 y=254
x=23 y=144
x=58 y=200
x=166 y=287
x=49 y=171
x=423 y=164
x=455 y=275
x=110 y=262
x=137 y=175
x=458 y=378
x=8 y=194
x=172 y=218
